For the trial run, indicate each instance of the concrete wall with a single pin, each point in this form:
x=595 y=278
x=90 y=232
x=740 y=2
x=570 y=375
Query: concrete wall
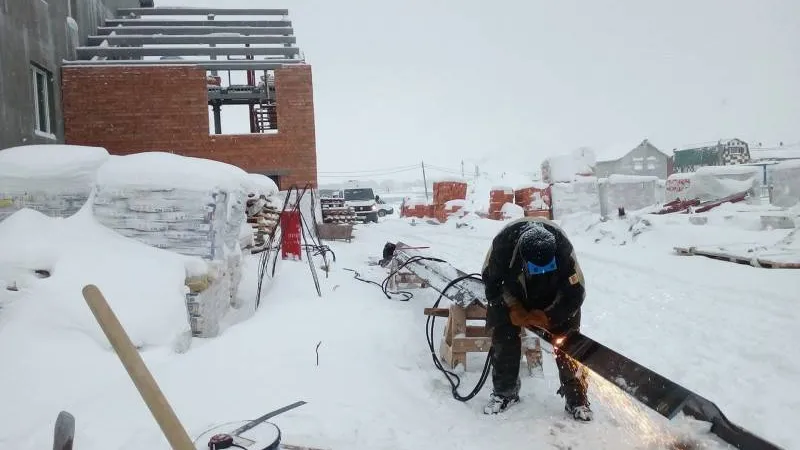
x=38 y=32
x=134 y=109
x=637 y=162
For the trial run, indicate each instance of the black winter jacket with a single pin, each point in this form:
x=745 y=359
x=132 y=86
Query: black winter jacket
x=559 y=295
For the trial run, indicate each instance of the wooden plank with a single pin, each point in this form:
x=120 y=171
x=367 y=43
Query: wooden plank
x=458 y=320
x=445 y=312
x=472 y=344
x=476 y=331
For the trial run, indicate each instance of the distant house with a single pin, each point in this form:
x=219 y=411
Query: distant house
x=645 y=159
x=723 y=153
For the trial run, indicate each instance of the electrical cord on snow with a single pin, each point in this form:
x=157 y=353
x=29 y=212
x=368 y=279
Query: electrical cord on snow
x=384 y=285
x=452 y=378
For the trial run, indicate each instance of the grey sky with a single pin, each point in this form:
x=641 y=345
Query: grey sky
x=510 y=82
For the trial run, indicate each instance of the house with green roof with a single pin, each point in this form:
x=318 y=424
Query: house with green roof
x=722 y=153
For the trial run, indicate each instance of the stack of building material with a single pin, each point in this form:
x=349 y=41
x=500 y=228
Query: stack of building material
x=451 y=208
x=262 y=215
x=443 y=192
x=55 y=180
x=534 y=199
x=334 y=211
x=499 y=196
x=785 y=178
x=579 y=196
x=191 y=206
x=263 y=210
x=629 y=192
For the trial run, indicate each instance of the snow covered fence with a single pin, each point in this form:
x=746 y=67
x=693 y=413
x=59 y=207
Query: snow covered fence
x=192 y=206
x=55 y=180
x=627 y=191
x=580 y=196
x=785 y=178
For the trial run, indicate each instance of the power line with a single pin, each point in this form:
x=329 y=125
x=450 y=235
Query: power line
x=345 y=172
x=367 y=174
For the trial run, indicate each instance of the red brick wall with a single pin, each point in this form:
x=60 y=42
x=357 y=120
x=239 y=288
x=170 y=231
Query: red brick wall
x=134 y=109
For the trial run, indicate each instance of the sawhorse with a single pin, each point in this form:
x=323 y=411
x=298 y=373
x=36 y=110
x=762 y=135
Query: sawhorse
x=459 y=338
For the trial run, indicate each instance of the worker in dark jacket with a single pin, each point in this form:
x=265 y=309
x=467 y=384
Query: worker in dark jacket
x=533 y=280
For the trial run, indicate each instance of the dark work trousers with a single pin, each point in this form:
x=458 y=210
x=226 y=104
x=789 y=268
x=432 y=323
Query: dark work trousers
x=507 y=355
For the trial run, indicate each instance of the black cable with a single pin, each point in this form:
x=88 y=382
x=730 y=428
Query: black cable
x=452 y=378
x=384 y=285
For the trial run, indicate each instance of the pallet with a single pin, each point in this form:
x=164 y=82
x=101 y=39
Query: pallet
x=766 y=260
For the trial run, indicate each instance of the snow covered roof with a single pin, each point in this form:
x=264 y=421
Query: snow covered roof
x=775 y=153
x=618 y=151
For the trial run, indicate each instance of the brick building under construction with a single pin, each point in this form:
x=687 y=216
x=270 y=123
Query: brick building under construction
x=146 y=80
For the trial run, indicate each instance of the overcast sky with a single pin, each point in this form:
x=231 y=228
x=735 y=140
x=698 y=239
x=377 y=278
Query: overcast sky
x=511 y=82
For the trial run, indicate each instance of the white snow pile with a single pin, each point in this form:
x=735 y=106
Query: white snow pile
x=192 y=206
x=144 y=285
x=261 y=185
x=53 y=179
x=512 y=211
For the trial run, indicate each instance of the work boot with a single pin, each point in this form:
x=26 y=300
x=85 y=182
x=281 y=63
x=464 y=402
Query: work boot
x=576 y=403
x=498 y=404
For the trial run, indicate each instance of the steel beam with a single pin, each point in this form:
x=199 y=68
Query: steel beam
x=192 y=11
x=136 y=52
x=195 y=30
x=251 y=64
x=439 y=274
x=146 y=39
x=237 y=97
x=189 y=23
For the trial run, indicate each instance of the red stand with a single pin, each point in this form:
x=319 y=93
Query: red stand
x=291 y=235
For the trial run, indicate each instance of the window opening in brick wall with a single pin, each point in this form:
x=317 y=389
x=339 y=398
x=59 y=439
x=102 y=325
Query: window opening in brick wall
x=242 y=102
x=44 y=101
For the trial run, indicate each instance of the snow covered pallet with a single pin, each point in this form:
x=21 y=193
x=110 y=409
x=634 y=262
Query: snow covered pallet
x=746 y=255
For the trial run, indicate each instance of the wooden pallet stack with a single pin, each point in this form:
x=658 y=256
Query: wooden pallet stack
x=262 y=215
x=334 y=211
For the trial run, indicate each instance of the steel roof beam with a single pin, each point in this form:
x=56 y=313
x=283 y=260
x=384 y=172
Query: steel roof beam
x=136 y=52
x=146 y=39
x=189 y=23
x=263 y=64
x=195 y=30
x=191 y=11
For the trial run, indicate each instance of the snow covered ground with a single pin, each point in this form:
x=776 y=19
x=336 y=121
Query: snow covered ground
x=726 y=331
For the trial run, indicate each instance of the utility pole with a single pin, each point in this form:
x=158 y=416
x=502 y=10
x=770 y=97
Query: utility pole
x=425 y=181
x=462 y=168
